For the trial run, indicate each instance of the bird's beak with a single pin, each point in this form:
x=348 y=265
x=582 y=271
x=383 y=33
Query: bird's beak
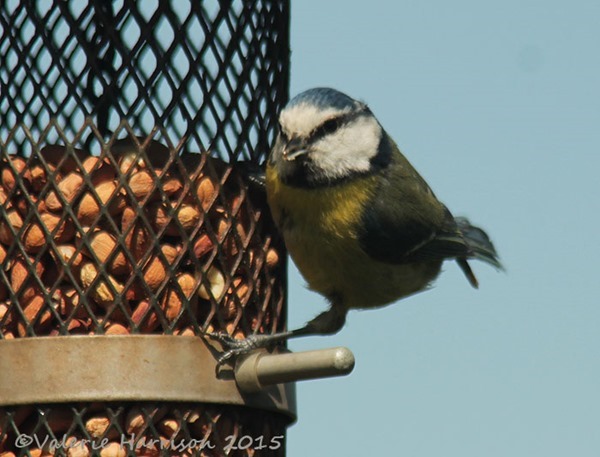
x=293 y=149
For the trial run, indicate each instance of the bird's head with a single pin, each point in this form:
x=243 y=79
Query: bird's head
x=325 y=137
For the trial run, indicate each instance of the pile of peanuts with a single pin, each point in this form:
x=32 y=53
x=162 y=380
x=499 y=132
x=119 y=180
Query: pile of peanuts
x=127 y=243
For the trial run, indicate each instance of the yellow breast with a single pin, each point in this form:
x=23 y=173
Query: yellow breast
x=320 y=228
x=334 y=210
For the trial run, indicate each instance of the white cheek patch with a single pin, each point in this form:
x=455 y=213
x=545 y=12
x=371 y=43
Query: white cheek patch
x=348 y=150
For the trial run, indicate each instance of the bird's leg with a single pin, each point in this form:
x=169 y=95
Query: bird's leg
x=326 y=323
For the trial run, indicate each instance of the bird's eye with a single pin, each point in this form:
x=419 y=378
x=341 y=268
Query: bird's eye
x=329 y=126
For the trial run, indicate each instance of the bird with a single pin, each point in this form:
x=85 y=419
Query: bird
x=360 y=223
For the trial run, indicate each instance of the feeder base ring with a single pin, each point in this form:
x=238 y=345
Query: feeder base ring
x=64 y=369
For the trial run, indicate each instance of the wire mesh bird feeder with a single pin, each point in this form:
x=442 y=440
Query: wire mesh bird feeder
x=126 y=228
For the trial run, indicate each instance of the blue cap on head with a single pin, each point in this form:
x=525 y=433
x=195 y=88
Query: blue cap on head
x=323 y=97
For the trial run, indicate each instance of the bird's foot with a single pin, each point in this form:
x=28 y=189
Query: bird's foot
x=235 y=347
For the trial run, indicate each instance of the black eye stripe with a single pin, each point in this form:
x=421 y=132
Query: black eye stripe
x=327 y=127
x=331 y=125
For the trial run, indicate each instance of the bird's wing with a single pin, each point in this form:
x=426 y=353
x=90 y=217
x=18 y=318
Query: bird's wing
x=394 y=237
x=406 y=223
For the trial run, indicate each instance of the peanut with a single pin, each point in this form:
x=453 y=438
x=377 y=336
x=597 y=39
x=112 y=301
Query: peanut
x=188 y=216
x=66 y=255
x=103 y=245
x=173 y=300
x=6 y=316
x=14 y=221
x=68 y=188
x=216 y=282
x=206 y=192
x=100 y=170
x=113 y=449
x=145 y=317
x=39 y=177
x=103 y=293
x=98 y=426
x=116 y=329
x=141 y=184
x=137 y=239
x=77 y=447
x=272 y=259
x=155 y=271
x=21 y=277
x=203 y=246
x=9 y=177
x=34 y=238
x=36 y=314
x=104 y=194
x=169 y=427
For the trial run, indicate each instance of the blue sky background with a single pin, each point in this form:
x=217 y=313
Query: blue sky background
x=497 y=104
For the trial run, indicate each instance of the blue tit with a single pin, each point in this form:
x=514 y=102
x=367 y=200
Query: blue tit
x=362 y=226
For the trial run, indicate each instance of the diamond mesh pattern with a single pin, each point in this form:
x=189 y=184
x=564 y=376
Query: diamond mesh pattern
x=213 y=72
x=149 y=429
x=121 y=208
x=135 y=238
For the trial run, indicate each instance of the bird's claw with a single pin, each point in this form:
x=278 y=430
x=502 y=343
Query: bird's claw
x=235 y=347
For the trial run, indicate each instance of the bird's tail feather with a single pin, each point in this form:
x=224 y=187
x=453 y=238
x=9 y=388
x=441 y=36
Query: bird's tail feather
x=480 y=247
x=478 y=242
